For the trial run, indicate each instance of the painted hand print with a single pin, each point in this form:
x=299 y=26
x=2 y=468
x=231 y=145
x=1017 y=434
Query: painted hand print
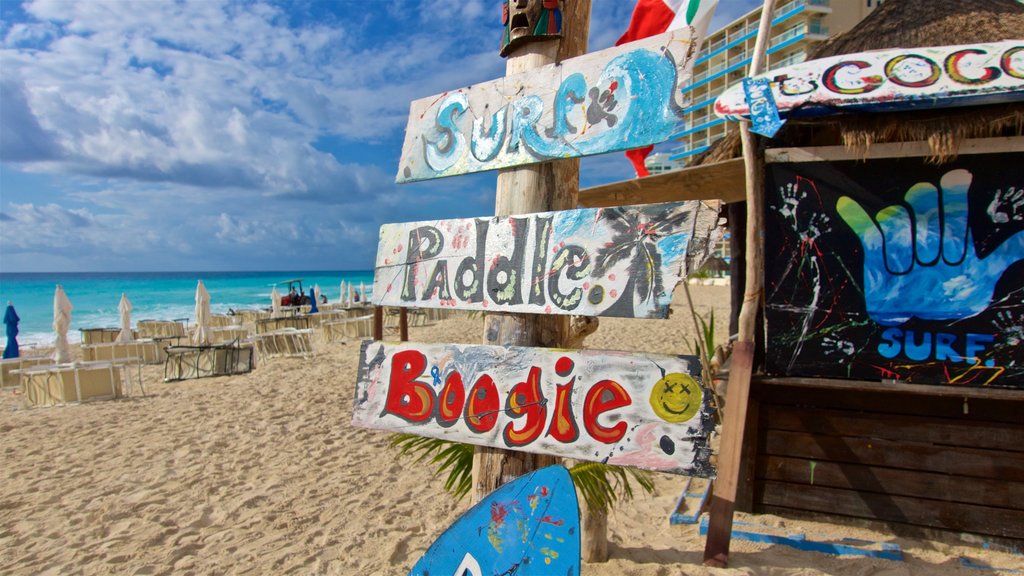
x=622 y=261
x=895 y=269
x=924 y=248
x=617 y=99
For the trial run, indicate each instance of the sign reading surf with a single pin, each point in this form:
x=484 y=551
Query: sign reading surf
x=642 y=410
x=621 y=261
x=615 y=99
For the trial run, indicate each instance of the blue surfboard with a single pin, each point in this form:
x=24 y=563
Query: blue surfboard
x=530 y=526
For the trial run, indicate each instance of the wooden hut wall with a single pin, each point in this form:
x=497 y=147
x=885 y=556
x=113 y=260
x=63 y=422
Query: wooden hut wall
x=918 y=458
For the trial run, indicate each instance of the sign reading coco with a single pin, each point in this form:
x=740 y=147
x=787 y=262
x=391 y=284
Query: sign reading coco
x=621 y=261
x=630 y=409
x=892 y=79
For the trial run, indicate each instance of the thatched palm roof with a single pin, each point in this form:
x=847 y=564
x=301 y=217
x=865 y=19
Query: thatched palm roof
x=917 y=23
x=908 y=24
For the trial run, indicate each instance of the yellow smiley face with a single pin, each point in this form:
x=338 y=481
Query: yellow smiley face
x=676 y=397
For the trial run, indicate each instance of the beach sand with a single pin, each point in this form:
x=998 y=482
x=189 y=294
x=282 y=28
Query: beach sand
x=264 y=474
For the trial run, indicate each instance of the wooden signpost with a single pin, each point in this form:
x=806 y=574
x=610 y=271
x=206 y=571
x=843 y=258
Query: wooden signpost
x=894 y=79
x=621 y=261
x=648 y=411
x=551 y=105
x=616 y=99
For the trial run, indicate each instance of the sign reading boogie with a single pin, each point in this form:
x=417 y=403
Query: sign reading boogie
x=627 y=409
x=893 y=79
x=621 y=261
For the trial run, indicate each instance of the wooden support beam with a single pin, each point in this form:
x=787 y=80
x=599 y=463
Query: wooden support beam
x=719 y=181
x=403 y=324
x=378 y=322
x=534 y=188
x=723 y=502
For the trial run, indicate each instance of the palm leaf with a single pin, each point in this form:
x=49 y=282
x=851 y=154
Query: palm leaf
x=600 y=485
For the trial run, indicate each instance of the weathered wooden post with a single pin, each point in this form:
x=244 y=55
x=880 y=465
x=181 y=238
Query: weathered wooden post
x=535 y=188
x=723 y=501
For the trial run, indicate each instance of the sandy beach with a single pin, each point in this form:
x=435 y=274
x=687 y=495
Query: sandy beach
x=263 y=473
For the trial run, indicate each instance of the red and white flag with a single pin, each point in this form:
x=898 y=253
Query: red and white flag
x=651 y=17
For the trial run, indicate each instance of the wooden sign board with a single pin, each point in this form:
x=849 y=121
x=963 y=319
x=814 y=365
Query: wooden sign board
x=893 y=79
x=615 y=99
x=648 y=411
x=621 y=261
x=528 y=526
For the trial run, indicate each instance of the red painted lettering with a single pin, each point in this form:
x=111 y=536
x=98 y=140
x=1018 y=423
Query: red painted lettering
x=483 y=405
x=451 y=400
x=409 y=399
x=912 y=71
x=604 y=396
x=953 y=68
x=866 y=84
x=525 y=399
x=1007 y=62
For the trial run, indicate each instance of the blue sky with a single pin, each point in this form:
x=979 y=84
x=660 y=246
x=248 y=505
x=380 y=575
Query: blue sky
x=220 y=135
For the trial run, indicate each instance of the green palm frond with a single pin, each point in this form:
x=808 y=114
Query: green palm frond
x=600 y=485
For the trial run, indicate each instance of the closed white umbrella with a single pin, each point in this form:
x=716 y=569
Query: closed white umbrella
x=341 y=298
x=362 y=292
x=61 y=323
x=316 y=292
x=125 y=308
x=275 y=303
x=202 y=333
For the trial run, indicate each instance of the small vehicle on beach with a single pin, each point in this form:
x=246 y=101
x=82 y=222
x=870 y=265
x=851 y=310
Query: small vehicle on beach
x=294 y=296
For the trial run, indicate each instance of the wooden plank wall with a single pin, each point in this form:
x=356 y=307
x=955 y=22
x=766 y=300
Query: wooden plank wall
x=912 y=460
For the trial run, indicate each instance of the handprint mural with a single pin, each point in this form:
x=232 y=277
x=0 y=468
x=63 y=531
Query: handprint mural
x=917 y=270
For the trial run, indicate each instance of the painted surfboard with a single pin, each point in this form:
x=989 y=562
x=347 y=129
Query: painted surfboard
x=622 y=261
x=618 y=98
x=629 y=409
x=530 y=526
x=892 y=79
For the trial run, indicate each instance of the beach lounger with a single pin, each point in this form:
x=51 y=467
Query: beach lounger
x=228 y=334
x=146 y=351
x=287 y=342
x=10 y=376
x=77 y=382
x=160 y=328
x=268 y=325
x=189 y=362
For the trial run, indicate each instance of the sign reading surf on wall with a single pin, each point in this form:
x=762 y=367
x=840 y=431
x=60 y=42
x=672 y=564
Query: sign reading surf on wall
x=615 y=99
x=621 y=261
x=648 y=411
x=897 y=269
x=892 y=79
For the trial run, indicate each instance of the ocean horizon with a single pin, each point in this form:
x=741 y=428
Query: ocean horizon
x=95 y=296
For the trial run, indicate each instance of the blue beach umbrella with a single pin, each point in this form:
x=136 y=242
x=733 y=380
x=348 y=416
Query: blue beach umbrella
x=312 y=302
x=11 y=321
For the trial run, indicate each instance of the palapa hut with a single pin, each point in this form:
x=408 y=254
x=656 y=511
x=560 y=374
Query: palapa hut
x=882 y=396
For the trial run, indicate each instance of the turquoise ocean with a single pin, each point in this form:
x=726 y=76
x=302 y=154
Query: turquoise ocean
x=95 y=296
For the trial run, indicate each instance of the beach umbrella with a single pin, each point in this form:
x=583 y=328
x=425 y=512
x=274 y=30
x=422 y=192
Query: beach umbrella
x=312 y=301
x=316 y=290
x=11 y=324
x=341 y=298
x=362 y=292
x=202 y=333
x=61 y=323
x=275 y=303
x=125 y=308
